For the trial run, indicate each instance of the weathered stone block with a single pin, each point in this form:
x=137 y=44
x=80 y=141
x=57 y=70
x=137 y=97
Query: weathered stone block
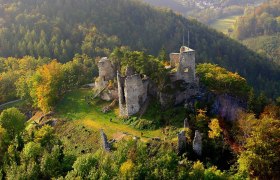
x=182 y=142
x=197 y=143
x=106 y=70
x=104 y=140
x=132 y=92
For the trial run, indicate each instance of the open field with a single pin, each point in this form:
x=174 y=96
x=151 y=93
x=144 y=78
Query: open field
x=224 y=24
x=83 y=121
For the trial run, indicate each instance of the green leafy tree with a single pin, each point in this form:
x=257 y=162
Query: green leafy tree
x=251 y=101
x=84 y=164
x=52 y=163
x=45 y=87
x=262 y=150
x=3 y=143
x=13 y=121
x=28 y=170
x=162 y=56
x=219 y=80
x=32 y=150
x=7 y=86
x=197 y=171
x=46 y=137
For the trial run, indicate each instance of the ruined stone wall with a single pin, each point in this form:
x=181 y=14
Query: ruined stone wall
x=106 y=73
x=122 y=100
x=135 y=93
x=106 y=70
x=132 y=91
x=190 y=90
x=186 y=67
x=182 y=143
x=106 y=145
x=184 y=62
x=197 y=143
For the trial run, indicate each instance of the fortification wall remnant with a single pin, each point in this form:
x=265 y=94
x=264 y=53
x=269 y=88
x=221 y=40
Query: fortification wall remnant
x=106 y=70
x=106 y=73
x=132 y=92
x=184 y=64
x=197 y=143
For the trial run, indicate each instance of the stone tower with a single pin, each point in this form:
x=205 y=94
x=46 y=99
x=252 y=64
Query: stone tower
x=184 y=63
x=132 y=91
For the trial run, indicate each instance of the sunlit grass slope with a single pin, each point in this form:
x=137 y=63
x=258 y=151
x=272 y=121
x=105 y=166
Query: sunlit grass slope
x=84 y=121
x=224 y=24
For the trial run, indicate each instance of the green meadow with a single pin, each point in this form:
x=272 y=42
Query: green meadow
x=83 y=119
x=224 y=24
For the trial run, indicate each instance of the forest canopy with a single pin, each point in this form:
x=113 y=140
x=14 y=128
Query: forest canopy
x=59 y=29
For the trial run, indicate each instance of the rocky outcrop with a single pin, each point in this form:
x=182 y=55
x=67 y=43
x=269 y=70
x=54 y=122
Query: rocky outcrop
x=197 y=143
x=186 y=123
x=182 y=142
x=106 y=74
x=227 y=107
x=166 y=99
x=105 y=143
x=106 y=69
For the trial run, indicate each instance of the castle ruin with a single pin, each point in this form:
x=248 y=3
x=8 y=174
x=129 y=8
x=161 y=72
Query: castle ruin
x=183 y=80
x=131 y=89
x=132 y=92
x=106 y=70
x=184 y=64
x=106 y=73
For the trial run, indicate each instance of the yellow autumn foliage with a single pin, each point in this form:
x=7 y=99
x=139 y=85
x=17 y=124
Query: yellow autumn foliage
x=126 y=168
x=48 y=85
x=215 y=129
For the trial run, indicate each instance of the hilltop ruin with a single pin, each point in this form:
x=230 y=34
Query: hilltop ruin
x=184 y=63
x=132 y=89
x=132 y=92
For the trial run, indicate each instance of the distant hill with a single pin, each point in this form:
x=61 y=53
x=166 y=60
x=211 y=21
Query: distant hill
x=259 y=29
x=265 y=45
x=261 y=20
x=172 y=4
x=199 y=4
x=61 y=28
x=206 y=11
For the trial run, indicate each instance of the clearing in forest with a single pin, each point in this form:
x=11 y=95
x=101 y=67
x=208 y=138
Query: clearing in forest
x=224 y=24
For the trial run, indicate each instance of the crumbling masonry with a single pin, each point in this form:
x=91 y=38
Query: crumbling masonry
x=132 y=92
x=184 y=63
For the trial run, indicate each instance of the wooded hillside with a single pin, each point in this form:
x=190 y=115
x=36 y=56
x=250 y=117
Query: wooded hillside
x=59 y=29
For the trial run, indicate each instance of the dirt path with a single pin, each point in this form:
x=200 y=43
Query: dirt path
x=11 y=102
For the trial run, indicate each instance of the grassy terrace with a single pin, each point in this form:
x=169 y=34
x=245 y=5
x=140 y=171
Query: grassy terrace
x=83 y=121
x=75 y=108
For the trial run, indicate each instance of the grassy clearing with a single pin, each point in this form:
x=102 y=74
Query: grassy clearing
x=78 y=138
x=224 y=24
x=84 y=121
